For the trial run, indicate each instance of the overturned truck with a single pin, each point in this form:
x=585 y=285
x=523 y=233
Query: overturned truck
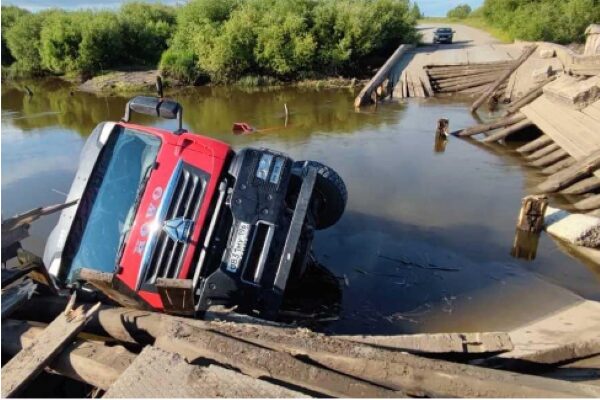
x=175 y=221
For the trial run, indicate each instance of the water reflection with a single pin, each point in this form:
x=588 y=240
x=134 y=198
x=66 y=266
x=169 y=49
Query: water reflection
x=423 y=244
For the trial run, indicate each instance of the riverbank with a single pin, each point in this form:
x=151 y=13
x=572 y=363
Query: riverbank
x=144 y=81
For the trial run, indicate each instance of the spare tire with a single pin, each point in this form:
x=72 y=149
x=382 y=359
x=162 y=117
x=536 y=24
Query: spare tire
x=331 y=190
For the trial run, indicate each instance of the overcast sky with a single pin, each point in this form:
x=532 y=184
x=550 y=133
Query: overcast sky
x=430 y=8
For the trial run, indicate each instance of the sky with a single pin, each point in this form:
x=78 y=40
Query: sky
x=431 y=8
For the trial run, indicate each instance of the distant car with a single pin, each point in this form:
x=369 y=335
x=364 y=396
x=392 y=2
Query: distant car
x=443 y=35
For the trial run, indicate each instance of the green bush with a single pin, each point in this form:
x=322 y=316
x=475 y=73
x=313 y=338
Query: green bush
x=146 y=29
x=460 y=12
x=224 y=40
x=181 y=65
x=60 y=38
x=10 y=14
x=23 y=41
x=561 y=21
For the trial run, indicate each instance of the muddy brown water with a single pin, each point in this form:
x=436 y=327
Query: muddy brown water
x=425 y=242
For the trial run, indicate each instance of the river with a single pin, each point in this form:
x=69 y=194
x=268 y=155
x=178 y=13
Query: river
x=425 y=242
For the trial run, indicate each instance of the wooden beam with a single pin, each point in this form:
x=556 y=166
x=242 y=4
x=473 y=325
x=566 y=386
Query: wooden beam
x=28 y=363
x=87 y=361
x=549 y=159
x=589 y=203
x=526 y=53
x=464 y=343
x=572 y=174
x=559 y=166
x=509 y=130
x=583 y=186
x=536 y=144
x=544 y=151
x=482 y=128
x=365 y=94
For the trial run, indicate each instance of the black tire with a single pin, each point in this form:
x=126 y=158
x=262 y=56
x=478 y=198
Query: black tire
x=332 y=192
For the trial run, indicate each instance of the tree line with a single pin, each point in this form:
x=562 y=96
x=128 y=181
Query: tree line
x=559 y=21
x=210 y=40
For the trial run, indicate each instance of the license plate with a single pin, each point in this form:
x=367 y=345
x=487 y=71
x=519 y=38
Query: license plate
x=239 y=247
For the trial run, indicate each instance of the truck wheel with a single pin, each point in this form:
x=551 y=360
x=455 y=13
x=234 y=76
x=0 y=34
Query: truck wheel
x=331 y=190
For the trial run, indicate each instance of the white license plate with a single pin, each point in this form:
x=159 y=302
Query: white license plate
x=239 y=247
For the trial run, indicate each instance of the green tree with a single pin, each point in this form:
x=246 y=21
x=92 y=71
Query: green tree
x=460 y=11
x=10 y=14
x=146 y=30
x=60 y=38
x=415 y=12
x=23 y=41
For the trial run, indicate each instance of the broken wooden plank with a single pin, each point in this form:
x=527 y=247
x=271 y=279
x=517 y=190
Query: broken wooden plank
x=466 y=343
x=584 y=186
x=87 y=361
x=112 y=287
x=526 y=53
x=259 y=361
x=413 y=374
x=535 y=144
x=572 y=174
x=509 y=130
x=28 y=363
x=568 y=334
x=157 y=373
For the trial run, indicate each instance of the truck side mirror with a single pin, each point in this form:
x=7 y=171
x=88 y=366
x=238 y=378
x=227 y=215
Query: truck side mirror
x=157 y=107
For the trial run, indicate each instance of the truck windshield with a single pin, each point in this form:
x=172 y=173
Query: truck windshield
x=444 y=30
x=108 y=205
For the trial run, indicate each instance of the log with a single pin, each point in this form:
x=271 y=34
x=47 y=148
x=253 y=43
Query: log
x=461 y=74
x=589 y=203
x=464 y=84
x=572 y=174
x=481 y=128
x=584 y=186
x=528 y=97
x=365 y=94
x=526 y=53
x=413 y=374
x=549 y=159
x=83 y=360
x=559 y=166
x=28 y=363
x=464 y=79
x=544 y=151
x=543 y=140
x=509 y=130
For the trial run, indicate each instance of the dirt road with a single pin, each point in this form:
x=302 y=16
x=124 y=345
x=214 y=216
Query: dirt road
x=465 y=36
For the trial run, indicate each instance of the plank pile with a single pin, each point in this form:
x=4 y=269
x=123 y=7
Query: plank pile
x=468 y=79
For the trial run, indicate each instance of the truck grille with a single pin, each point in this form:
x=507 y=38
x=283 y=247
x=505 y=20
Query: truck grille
x=167 y=258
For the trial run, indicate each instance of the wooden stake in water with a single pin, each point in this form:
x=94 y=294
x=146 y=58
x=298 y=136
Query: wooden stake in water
x=529 y=226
